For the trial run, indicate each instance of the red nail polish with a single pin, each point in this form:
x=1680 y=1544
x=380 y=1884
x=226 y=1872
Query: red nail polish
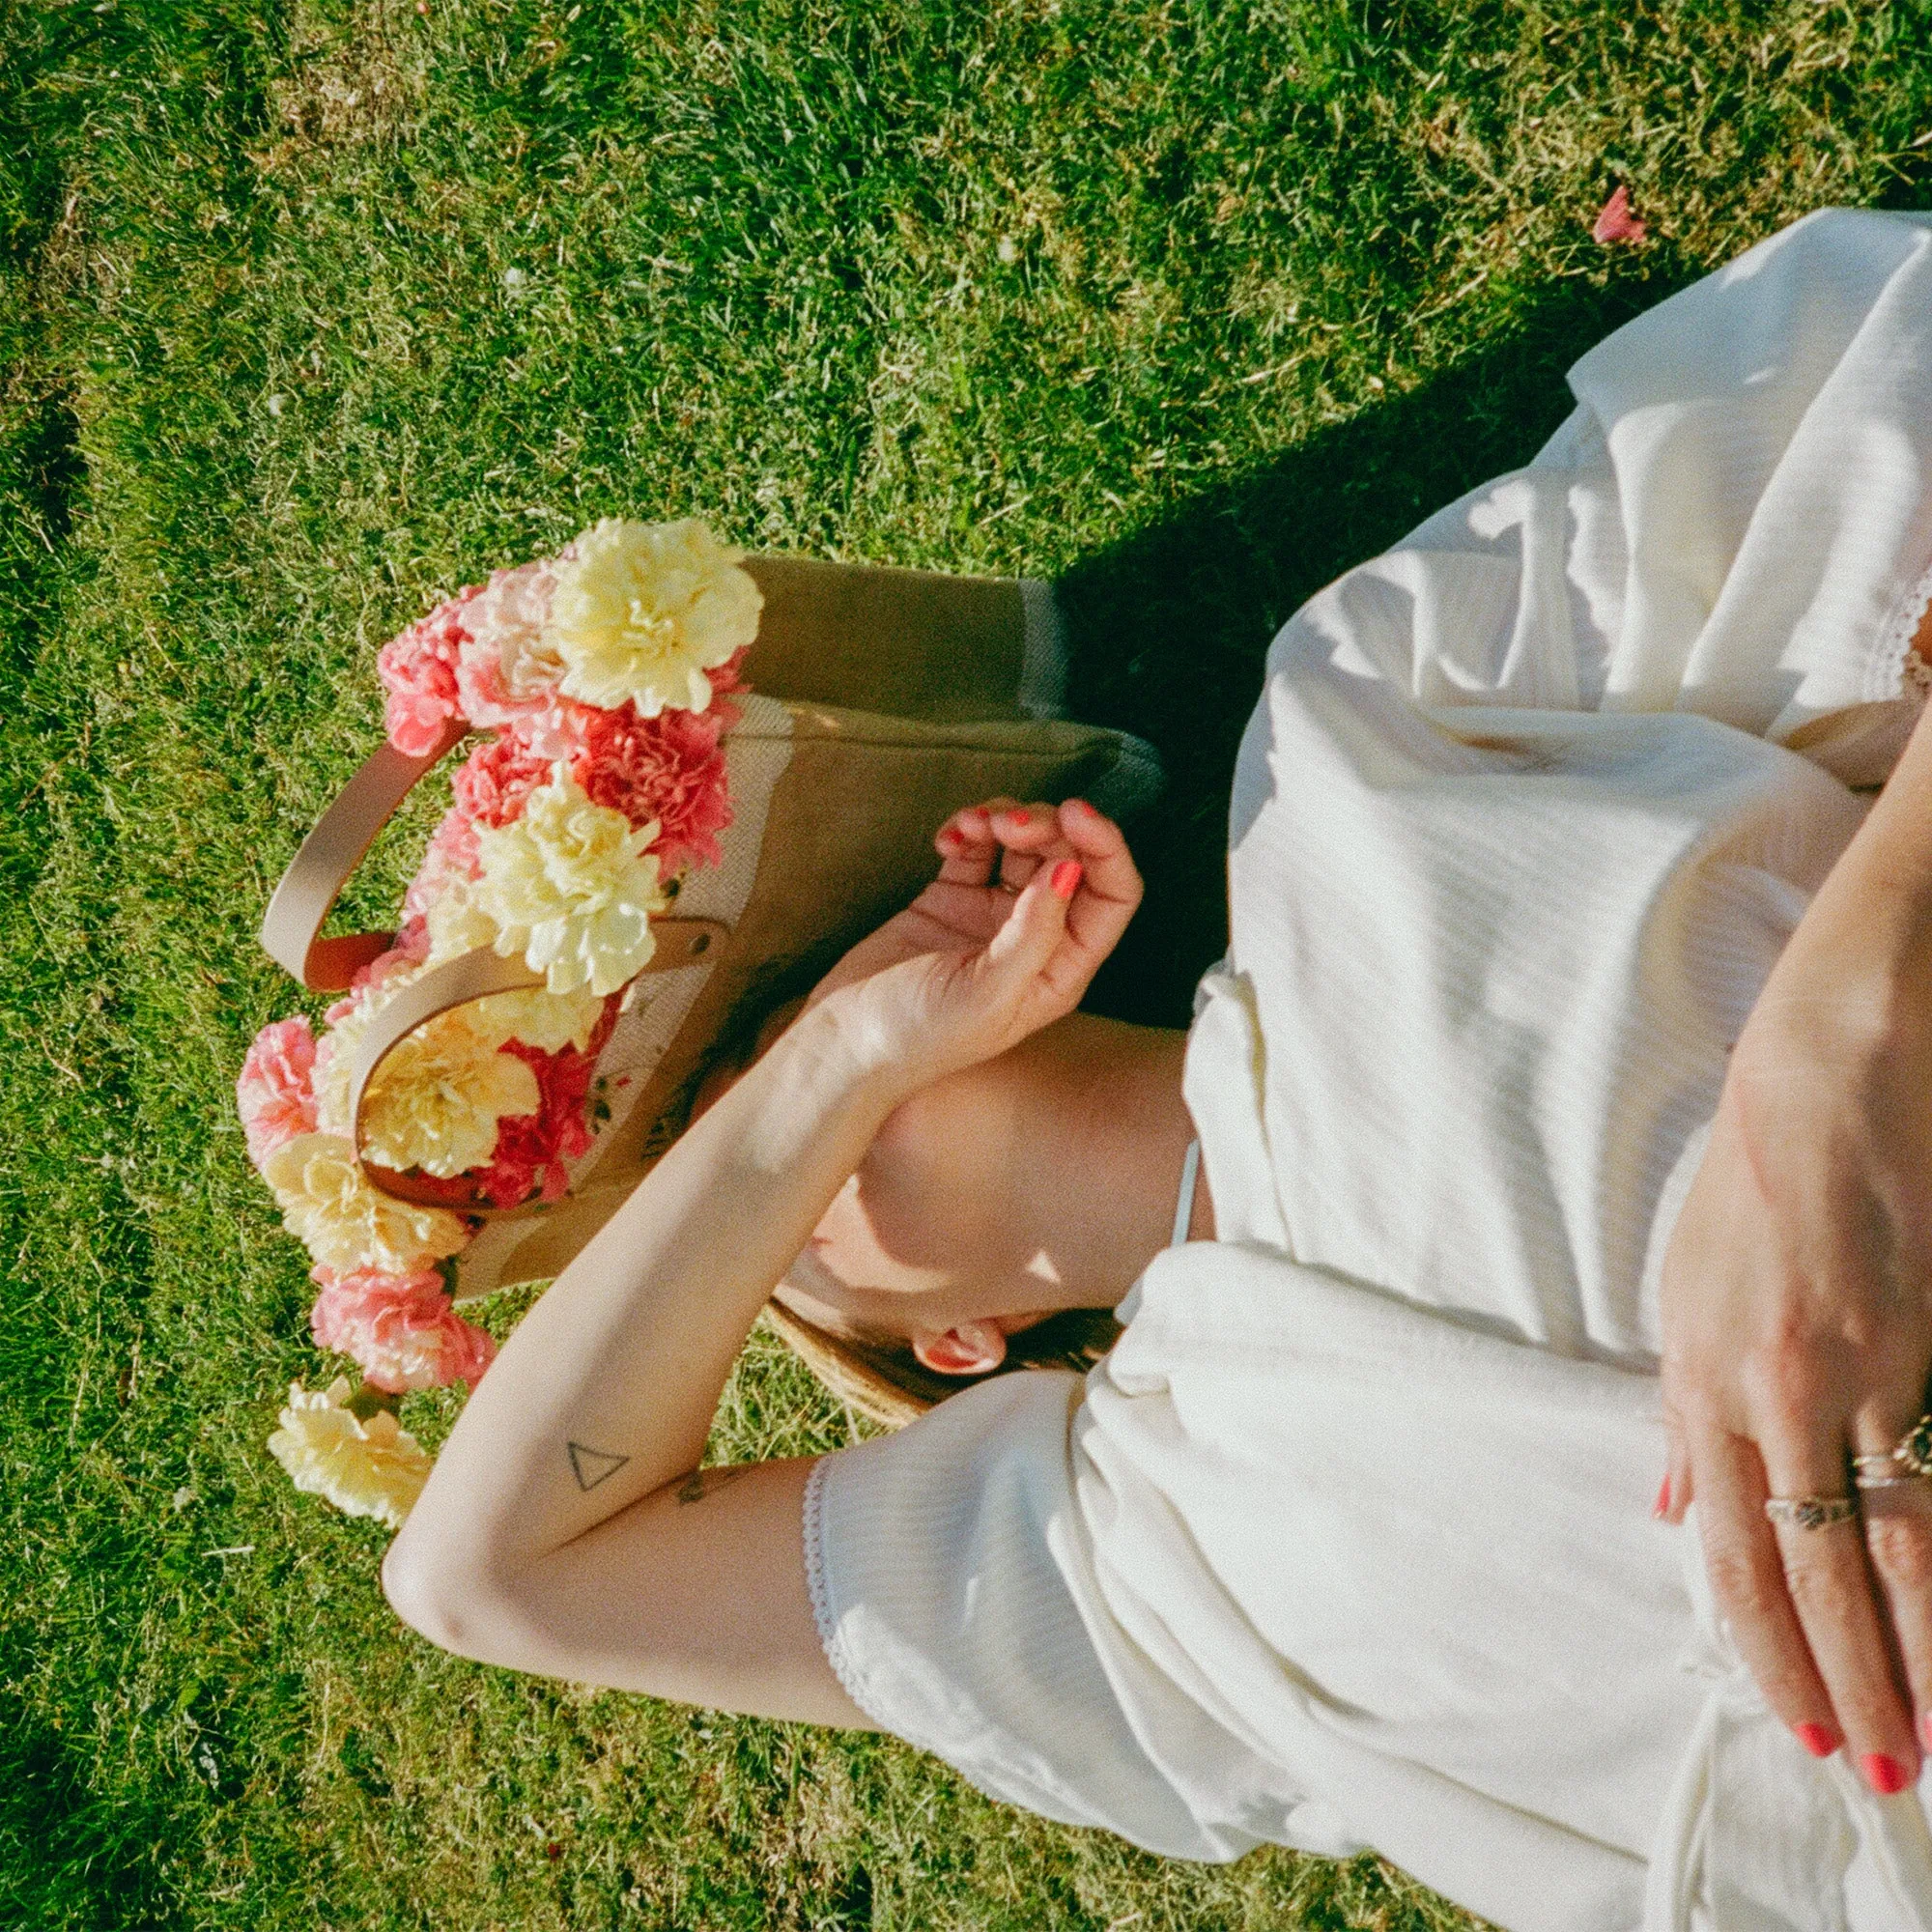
x=1081 y=806
x=1885 y=1775
x=1661 y=1508
x=1066 y=877
x=1816 y=1739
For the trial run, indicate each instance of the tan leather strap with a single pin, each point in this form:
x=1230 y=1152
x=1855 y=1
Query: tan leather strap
x=291 y=926
x=475 y=975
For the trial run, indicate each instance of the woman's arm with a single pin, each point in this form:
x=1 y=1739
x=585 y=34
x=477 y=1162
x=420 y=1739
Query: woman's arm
x=1797 y=1301
x=561 y=1529
x=551 y=1535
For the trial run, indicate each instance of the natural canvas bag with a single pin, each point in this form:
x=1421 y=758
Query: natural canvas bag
x=883 y=700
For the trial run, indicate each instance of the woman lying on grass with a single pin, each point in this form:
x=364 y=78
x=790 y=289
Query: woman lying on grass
x=1562 y=1114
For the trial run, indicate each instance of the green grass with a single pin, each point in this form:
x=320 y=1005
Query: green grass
x=310 y=312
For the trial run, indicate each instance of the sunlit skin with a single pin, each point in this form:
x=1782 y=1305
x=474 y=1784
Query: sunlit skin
x=878 y=1132
x=954 y=1233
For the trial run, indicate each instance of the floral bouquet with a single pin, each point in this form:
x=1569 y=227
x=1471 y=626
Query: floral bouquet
x=604 y=677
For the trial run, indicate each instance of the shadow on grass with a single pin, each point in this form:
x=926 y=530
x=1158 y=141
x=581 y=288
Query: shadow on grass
x=1168 y=628
x=71 y=1857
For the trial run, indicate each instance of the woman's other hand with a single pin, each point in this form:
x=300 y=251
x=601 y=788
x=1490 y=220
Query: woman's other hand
x=1797 y=1316
x=1029 y=900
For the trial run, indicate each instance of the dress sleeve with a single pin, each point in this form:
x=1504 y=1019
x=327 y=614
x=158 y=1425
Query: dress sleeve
x=952 y=1585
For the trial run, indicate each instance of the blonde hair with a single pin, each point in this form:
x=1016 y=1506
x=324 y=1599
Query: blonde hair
x=887 y=1383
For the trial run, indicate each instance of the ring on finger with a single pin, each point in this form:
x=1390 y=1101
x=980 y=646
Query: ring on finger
x=1811 y=1512
x=1912 y=1451
x=1881 y=1470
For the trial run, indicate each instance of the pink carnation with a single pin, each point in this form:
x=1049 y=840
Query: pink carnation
x=502 y=670
x=453 y=854
x=275 y=1094
x=418 y=670
x=670 y=768
x=494 y=781
x=400 y=1329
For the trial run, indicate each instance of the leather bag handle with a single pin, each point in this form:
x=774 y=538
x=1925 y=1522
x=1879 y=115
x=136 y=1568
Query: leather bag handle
x=307 y=891
x=291 y=926
x=475 y=975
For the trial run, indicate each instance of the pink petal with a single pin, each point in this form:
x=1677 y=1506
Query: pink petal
x=1615 y=222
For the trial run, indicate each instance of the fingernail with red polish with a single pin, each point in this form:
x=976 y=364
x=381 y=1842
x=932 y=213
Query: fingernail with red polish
x=1885 y=1775
x=1067 y=875
x=1816 y=1739
x=1925 y=1729
x=1081 y=806
x=1661 y=1508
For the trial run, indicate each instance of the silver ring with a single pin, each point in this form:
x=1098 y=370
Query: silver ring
x=1811 y=1512
x=1880 y=1471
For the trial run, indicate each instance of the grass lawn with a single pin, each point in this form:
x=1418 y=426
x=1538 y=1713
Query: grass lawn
x=308 y=313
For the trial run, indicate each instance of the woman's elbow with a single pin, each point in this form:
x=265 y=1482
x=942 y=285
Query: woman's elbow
x=427 y=1594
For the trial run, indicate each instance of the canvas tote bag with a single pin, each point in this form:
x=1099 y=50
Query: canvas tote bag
x=882 y=700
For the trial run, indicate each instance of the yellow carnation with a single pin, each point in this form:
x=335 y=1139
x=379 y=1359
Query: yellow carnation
x=571 y=888
x=456 y=924
x=641 y=611
x=538 y=1017
x=346 y=1224
x=368 y=1468
x=436 y=1099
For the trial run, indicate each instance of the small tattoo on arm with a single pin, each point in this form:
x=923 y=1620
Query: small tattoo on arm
x=591 y=1466
x=701 y=1483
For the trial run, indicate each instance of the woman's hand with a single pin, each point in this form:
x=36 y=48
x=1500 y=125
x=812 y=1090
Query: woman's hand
x=1797 y=1314
x=1029 y=900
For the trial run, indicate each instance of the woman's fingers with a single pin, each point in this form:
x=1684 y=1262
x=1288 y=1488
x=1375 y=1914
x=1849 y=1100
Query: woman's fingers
x=999 y=842
x=1830 y=1581
x=1747 y=1573
x=1023 y=951
x=1004 y=842
x=1898 y=1541
x=969 y=853
x=1110 y=885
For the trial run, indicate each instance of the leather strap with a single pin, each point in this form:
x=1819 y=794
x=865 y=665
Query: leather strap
x=291 y=926
x=475 y=975
x=291 y=934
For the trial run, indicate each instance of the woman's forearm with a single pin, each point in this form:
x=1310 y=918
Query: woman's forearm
x=1868 y=934
x=606 y=1389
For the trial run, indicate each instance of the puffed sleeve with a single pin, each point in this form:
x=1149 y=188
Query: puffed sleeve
x=955 y=1591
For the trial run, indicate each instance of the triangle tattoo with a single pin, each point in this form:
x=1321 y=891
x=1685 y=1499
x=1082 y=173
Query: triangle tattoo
x=590 y=1466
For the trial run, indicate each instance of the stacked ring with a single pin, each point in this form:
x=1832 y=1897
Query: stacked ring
x=1880 y=1471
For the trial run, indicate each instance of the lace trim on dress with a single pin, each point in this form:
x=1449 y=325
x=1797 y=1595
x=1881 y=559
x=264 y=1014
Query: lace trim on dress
x=842 y=1667
x=1898 y=670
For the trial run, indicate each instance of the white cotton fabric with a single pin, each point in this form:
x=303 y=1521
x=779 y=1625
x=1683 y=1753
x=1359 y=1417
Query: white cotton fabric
x=1348 y=1542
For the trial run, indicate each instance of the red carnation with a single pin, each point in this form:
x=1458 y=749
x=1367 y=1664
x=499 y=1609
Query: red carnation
x=670 y=768
x=532 y=1149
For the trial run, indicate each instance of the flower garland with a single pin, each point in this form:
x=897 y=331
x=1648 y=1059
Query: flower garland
x=605 y=676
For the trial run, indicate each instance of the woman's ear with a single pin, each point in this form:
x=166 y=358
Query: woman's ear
x=966 y=1349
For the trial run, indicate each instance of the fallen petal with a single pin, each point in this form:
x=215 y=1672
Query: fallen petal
x=1615 y=222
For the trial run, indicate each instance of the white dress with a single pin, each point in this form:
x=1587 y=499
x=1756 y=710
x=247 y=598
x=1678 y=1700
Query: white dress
x=1347 y=1543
